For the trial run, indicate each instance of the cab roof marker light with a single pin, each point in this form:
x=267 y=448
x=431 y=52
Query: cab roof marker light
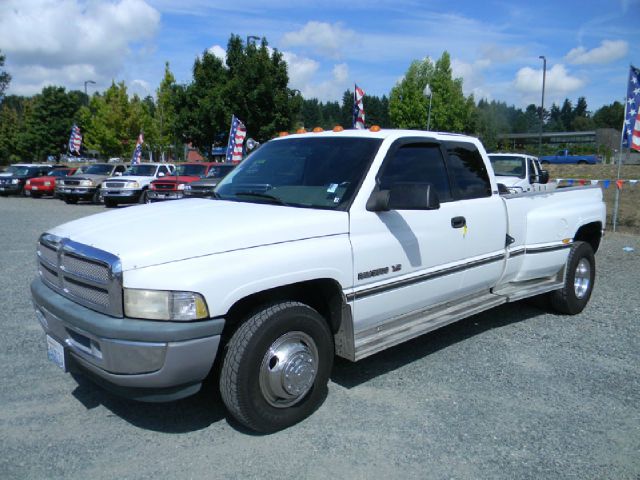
x=338 y=128
x=317 y=130
x=374 y=128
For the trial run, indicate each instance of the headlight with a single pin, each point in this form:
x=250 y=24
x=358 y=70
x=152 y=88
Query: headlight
x=132 y=185
x=15 y=181
x=47 y=184
x=86 y=183
x=164 y=305
x=181 y=186
x=28 y=182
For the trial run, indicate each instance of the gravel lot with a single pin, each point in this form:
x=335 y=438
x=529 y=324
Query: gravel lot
x=515 y=392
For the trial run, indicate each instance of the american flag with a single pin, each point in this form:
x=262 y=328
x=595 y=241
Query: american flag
x=631 y=127
x=75 y=140
x=237 y=135
x=358 y=108
x=137 y=152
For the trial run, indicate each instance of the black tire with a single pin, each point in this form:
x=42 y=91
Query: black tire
x=544 y=162
x=582 y=162
x=252 y=379
x=144 y=197
x=36 y=195
x=579 y=280
x=97 y=198
x=110 y=203
x=70 y=200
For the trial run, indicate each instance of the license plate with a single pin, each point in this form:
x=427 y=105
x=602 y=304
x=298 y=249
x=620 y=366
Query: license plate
x=34 y=188
x=55 y=353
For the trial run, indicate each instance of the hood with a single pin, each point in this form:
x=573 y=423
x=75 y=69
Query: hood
x=510 y=181
x=86 y=176
x=164 y=232
x=207 y=182
x=178 y=179
x=131 y=178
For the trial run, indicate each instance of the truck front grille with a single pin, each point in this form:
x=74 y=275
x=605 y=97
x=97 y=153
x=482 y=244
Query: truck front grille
x=114 y=184
x=86 y=275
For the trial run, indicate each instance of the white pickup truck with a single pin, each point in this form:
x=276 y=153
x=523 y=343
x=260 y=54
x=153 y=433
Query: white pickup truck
x=319 y=244
x=519 y=172
x=133 y=185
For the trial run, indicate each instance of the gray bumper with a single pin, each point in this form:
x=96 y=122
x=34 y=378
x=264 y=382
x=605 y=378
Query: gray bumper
x=159 y=195
x=128 y=352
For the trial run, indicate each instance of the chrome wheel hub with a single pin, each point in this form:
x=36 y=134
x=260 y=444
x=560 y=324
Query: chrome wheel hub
x=288 y=369
x=582 y=278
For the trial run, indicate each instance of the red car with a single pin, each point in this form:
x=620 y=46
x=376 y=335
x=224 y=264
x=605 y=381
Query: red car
x=37 y=187
x=171 y=187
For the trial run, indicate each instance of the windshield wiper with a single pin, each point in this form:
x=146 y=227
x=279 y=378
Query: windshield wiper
x=273 y=198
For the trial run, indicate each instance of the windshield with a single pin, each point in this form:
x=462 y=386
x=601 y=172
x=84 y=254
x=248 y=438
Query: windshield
x=141 y=170
x=191 y=170
x=321 y=172
x=220 y=171
x=508 y=166
x=99 y=170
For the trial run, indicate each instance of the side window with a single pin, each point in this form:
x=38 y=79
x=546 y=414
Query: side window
x=163 y=169
x=468 y=171
x=417 y=163
x=120 y=168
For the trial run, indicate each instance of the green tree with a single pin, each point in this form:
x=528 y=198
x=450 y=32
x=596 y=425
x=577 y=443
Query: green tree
x=450 y=109
x=609 y=116
x=5 y=78
x=566 y=113
x=408 y=106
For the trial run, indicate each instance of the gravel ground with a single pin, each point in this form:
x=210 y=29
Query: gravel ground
x=512 y=393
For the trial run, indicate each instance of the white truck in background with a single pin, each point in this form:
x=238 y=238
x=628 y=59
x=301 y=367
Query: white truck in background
x=316 y=245
x=520 y=172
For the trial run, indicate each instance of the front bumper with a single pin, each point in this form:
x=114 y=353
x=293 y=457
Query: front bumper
x=10 y=188
x=122 y=195
x=141 y=359
x=83 y=193
x=156 y=195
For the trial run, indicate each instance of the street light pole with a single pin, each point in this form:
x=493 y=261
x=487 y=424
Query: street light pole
x=252 y=37
x=428 y=93
x=544 y=78
x=85 y=88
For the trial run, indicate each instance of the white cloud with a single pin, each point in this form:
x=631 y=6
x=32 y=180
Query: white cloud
x=219 y=52
x=321 y=38
x=608 y=51
x=558 y=84
x=65 y=42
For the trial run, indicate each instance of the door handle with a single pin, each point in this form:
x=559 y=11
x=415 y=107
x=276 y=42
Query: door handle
x=458 y=222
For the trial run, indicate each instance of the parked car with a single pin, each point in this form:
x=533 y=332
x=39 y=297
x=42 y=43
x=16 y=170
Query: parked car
x=39 y=186
x=318 y=245
x=14 y=178
x=204 y=188
x=87 y=186
x=565 y=156
x=172 y=187
x=133 y=185
x=519 y=172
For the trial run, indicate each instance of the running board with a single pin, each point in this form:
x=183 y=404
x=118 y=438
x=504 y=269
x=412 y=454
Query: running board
x=518 y=290
x=406 y=327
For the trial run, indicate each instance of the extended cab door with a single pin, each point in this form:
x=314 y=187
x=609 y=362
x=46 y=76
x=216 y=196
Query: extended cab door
x=408 y=260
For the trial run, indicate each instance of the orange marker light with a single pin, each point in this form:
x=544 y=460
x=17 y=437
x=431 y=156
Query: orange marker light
x=374 y=128
x=317 y=130
x=301 y=130
x=283 y=134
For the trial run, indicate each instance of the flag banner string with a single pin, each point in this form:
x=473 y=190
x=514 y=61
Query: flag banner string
x=604 y=182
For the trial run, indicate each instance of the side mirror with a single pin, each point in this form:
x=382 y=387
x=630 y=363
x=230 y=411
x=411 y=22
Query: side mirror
x=404 y=196
x=161 y=174
x=544 y=176
x=118 y=174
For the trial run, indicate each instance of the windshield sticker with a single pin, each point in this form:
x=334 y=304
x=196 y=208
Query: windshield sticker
x=332 y=188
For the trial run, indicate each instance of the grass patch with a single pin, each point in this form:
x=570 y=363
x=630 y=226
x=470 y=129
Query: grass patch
x=629 y=209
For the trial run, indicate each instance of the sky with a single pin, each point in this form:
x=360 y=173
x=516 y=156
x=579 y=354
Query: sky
x=495 y=46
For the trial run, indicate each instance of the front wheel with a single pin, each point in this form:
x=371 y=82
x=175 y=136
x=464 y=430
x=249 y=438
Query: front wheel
x=277 y=366
x=70 y=200
x=578 y=280
x=144 y=197
x=110 y=203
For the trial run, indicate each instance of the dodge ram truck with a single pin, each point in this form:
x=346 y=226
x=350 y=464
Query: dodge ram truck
x=519 y=172
x=316 y=245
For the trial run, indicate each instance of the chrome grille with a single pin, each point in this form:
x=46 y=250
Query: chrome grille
x=98 y=272
x=165 y=186
x=72 y=183
x=114 y=184
x=84 y=274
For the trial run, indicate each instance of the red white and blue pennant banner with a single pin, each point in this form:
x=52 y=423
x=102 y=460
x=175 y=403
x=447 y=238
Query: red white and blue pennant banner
x=137 y=152
x=75 y=140
x=606 y=183
x=358 y=108
x=237 y=134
